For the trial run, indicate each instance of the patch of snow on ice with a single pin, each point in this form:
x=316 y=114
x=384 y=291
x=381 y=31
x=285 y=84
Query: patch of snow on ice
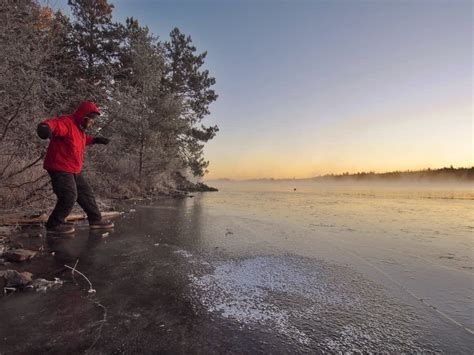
x=306 y=300
x=183 y=253
x=243 y=290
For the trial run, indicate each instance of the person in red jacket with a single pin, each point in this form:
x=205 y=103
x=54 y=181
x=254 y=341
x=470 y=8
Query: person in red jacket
x=64 y=160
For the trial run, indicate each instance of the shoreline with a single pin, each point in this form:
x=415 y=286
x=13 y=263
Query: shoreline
x=22 y=235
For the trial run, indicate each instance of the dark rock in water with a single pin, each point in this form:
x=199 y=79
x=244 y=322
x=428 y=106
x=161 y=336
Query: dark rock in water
x=19 y=254
x=178 y=194
x=13 y=278
x=34 y=235
x=17 y=245
x=203 y=187
x=198 y=187
x=5 y=231
x=184 y=185
x=3 y=262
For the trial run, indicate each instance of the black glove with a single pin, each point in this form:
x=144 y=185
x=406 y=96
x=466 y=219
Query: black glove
x=43 y=130
x=101 y=140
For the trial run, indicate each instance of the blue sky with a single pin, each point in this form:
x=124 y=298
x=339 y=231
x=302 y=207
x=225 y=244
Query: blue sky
x=313 y=87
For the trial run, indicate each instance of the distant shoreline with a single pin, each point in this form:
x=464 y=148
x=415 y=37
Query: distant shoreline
x=427 y=175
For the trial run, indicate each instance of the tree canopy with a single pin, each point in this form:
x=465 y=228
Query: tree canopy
x=154 y=95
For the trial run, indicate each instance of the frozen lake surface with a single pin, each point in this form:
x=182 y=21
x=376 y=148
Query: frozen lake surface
x=263 y=268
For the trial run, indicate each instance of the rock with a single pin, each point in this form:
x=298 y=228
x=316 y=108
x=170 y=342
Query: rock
x=184 y=185
x=13 y=278
x=35 y=235
x=25 y=278
x=17 y=245
x=203 y=187
x=19 y=254
x=3 y=282
x=2 y=250
x=4 y=230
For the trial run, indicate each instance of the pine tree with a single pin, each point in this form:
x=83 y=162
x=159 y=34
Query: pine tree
x=186 y=79
x=146 y=119
x=98 y=40
x=66 y=66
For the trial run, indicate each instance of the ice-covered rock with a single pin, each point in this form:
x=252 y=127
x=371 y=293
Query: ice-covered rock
x=42 y=285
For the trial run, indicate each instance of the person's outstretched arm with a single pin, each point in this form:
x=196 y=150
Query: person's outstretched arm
x=52 y=128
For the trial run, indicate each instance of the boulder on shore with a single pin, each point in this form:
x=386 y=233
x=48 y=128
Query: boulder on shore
x=19 y=254
x=13 y=278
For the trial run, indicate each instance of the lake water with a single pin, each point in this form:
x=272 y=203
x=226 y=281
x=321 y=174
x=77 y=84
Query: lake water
x=415 y=240
x=260 y=267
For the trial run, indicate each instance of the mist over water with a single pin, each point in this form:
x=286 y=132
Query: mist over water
x=408 y=188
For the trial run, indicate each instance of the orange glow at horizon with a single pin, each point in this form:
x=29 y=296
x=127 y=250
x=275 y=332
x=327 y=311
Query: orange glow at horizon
x=431 y=139
x=303 y=172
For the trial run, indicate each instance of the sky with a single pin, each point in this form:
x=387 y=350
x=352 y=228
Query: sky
x=310 y=87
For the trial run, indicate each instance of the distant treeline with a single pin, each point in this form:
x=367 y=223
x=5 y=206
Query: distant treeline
x=153 y=94
x=443 y=174
x=459 y=174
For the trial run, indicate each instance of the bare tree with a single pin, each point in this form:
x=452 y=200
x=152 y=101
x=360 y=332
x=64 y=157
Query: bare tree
x=26 y=88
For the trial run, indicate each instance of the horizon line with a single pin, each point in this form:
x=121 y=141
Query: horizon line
x=342 y=174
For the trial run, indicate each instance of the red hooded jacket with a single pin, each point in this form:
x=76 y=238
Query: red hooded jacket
x=68 y=142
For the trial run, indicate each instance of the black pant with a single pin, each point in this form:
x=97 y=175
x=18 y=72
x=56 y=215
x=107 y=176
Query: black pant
x=70 y=188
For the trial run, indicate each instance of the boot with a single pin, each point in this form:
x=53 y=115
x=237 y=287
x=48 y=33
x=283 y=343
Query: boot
x=60 y=229
x=102 y=224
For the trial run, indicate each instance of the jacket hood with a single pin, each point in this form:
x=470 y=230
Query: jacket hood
x=83 y=110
